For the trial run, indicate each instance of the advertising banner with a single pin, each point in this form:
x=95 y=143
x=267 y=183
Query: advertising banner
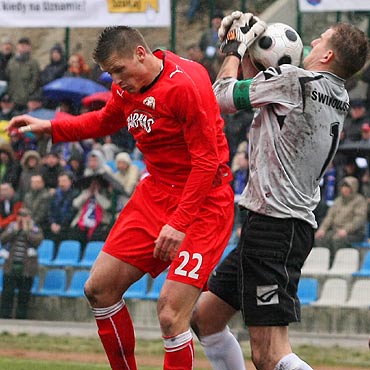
x=85 y=13
x=333 y=5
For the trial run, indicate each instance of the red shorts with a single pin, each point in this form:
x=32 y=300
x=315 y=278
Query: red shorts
x=149 y=209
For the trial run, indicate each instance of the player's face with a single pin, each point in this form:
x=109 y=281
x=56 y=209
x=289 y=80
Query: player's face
x=320 y=50
x=127 y=72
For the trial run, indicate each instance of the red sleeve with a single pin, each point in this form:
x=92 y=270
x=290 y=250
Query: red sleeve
x=89 y=125
x=199 y=131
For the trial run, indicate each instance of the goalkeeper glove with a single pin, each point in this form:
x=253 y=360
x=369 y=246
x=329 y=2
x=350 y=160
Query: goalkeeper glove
x=243 y=32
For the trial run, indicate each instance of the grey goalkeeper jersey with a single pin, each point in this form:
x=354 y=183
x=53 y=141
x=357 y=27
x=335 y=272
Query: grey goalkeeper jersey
x=293 y=138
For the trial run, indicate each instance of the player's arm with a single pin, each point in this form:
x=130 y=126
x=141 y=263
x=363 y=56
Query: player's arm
x=232 y=95
x=237 y=32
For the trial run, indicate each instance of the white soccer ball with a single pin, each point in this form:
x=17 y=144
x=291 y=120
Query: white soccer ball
x=279 y=44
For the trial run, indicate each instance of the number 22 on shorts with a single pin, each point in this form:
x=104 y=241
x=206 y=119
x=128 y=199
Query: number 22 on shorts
x=186 y=258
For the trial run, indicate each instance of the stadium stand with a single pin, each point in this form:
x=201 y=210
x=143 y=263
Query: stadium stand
x=68 y=254
x=317 y=262
x=156 y=286
x=365 y=267
x=137 y=290
x=307 y=290
x=54 y=284
x=92 y=250
x=346 y=261
x=359 y=295
x=46 y=252
x=76 y=286
x=333 y=293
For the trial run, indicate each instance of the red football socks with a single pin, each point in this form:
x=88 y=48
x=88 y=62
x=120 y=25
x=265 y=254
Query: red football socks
x=117 y=335
x=179 y=352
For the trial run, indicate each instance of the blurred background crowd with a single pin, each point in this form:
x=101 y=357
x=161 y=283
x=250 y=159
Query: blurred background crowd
x=76 y=190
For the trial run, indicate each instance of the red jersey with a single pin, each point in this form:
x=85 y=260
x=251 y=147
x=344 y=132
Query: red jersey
x=177 y=126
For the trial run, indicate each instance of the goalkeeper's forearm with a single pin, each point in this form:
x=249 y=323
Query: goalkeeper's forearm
x=232 y=95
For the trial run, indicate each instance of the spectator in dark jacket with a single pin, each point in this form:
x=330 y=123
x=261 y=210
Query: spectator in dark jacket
x=56 y=68
x=10 y=168
x=22 y=238
x=61 y=210
x=37 y=200
x=31 y=165
x=50 y=170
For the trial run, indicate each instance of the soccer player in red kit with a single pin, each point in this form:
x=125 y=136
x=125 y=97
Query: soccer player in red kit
x=181 y=215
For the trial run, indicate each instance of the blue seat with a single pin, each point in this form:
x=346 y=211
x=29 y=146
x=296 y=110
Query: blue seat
x=137 y=290
x=156 y=286
x=68 y=254
x=35 y=284
x=92 y=250
x=46 y=251
x=366 y=242
x=54 y=284
x=227 y=250
x=76 y=287
x=307 y=290
x=365 y=267
x=112 y=165
x=139 y=163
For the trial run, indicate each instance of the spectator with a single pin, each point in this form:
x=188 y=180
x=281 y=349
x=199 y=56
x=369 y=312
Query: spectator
x=23 y=74
x=93 y=213
x=17 y=143
x=7 y=108
x=6 y=52
x=194 y=52
x=96 y=164
x=50 y=171
x=22 y=237
x=10 y=168
x=107 y=147
x=9 y=205
x=77 y=67
x=194 y=7
x=345 y=220
x=209 y=42
x=31 y=165
x=76 y=165
x=67 y=150
x=56 y=67
x=365 y=133
x=351 y=168
x=128 y=175
x=357 y=117
x=37 y=200
x=61 y=210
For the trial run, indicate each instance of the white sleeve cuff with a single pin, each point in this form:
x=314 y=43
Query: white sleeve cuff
x=223 y=89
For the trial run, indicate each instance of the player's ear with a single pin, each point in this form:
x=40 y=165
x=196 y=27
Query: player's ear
x=328 y=57
x=140 y=53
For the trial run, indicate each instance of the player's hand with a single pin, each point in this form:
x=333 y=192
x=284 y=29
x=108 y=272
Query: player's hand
x=235 y=19
x=168 y=243
x=240 y=38
x=26 y=123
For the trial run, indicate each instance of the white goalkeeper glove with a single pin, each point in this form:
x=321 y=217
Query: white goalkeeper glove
x=242 y=32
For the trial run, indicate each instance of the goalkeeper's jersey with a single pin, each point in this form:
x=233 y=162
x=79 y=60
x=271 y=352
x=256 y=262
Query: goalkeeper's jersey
x=293 y=138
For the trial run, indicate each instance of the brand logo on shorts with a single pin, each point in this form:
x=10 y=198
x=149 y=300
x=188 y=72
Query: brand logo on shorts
x=267 y=294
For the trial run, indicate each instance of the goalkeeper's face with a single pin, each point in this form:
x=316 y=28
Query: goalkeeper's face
x=127 y=72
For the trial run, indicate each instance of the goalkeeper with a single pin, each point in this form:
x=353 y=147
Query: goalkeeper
x=293 y=137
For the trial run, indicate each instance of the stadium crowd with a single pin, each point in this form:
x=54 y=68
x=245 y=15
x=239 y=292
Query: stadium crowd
x=49 y=179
